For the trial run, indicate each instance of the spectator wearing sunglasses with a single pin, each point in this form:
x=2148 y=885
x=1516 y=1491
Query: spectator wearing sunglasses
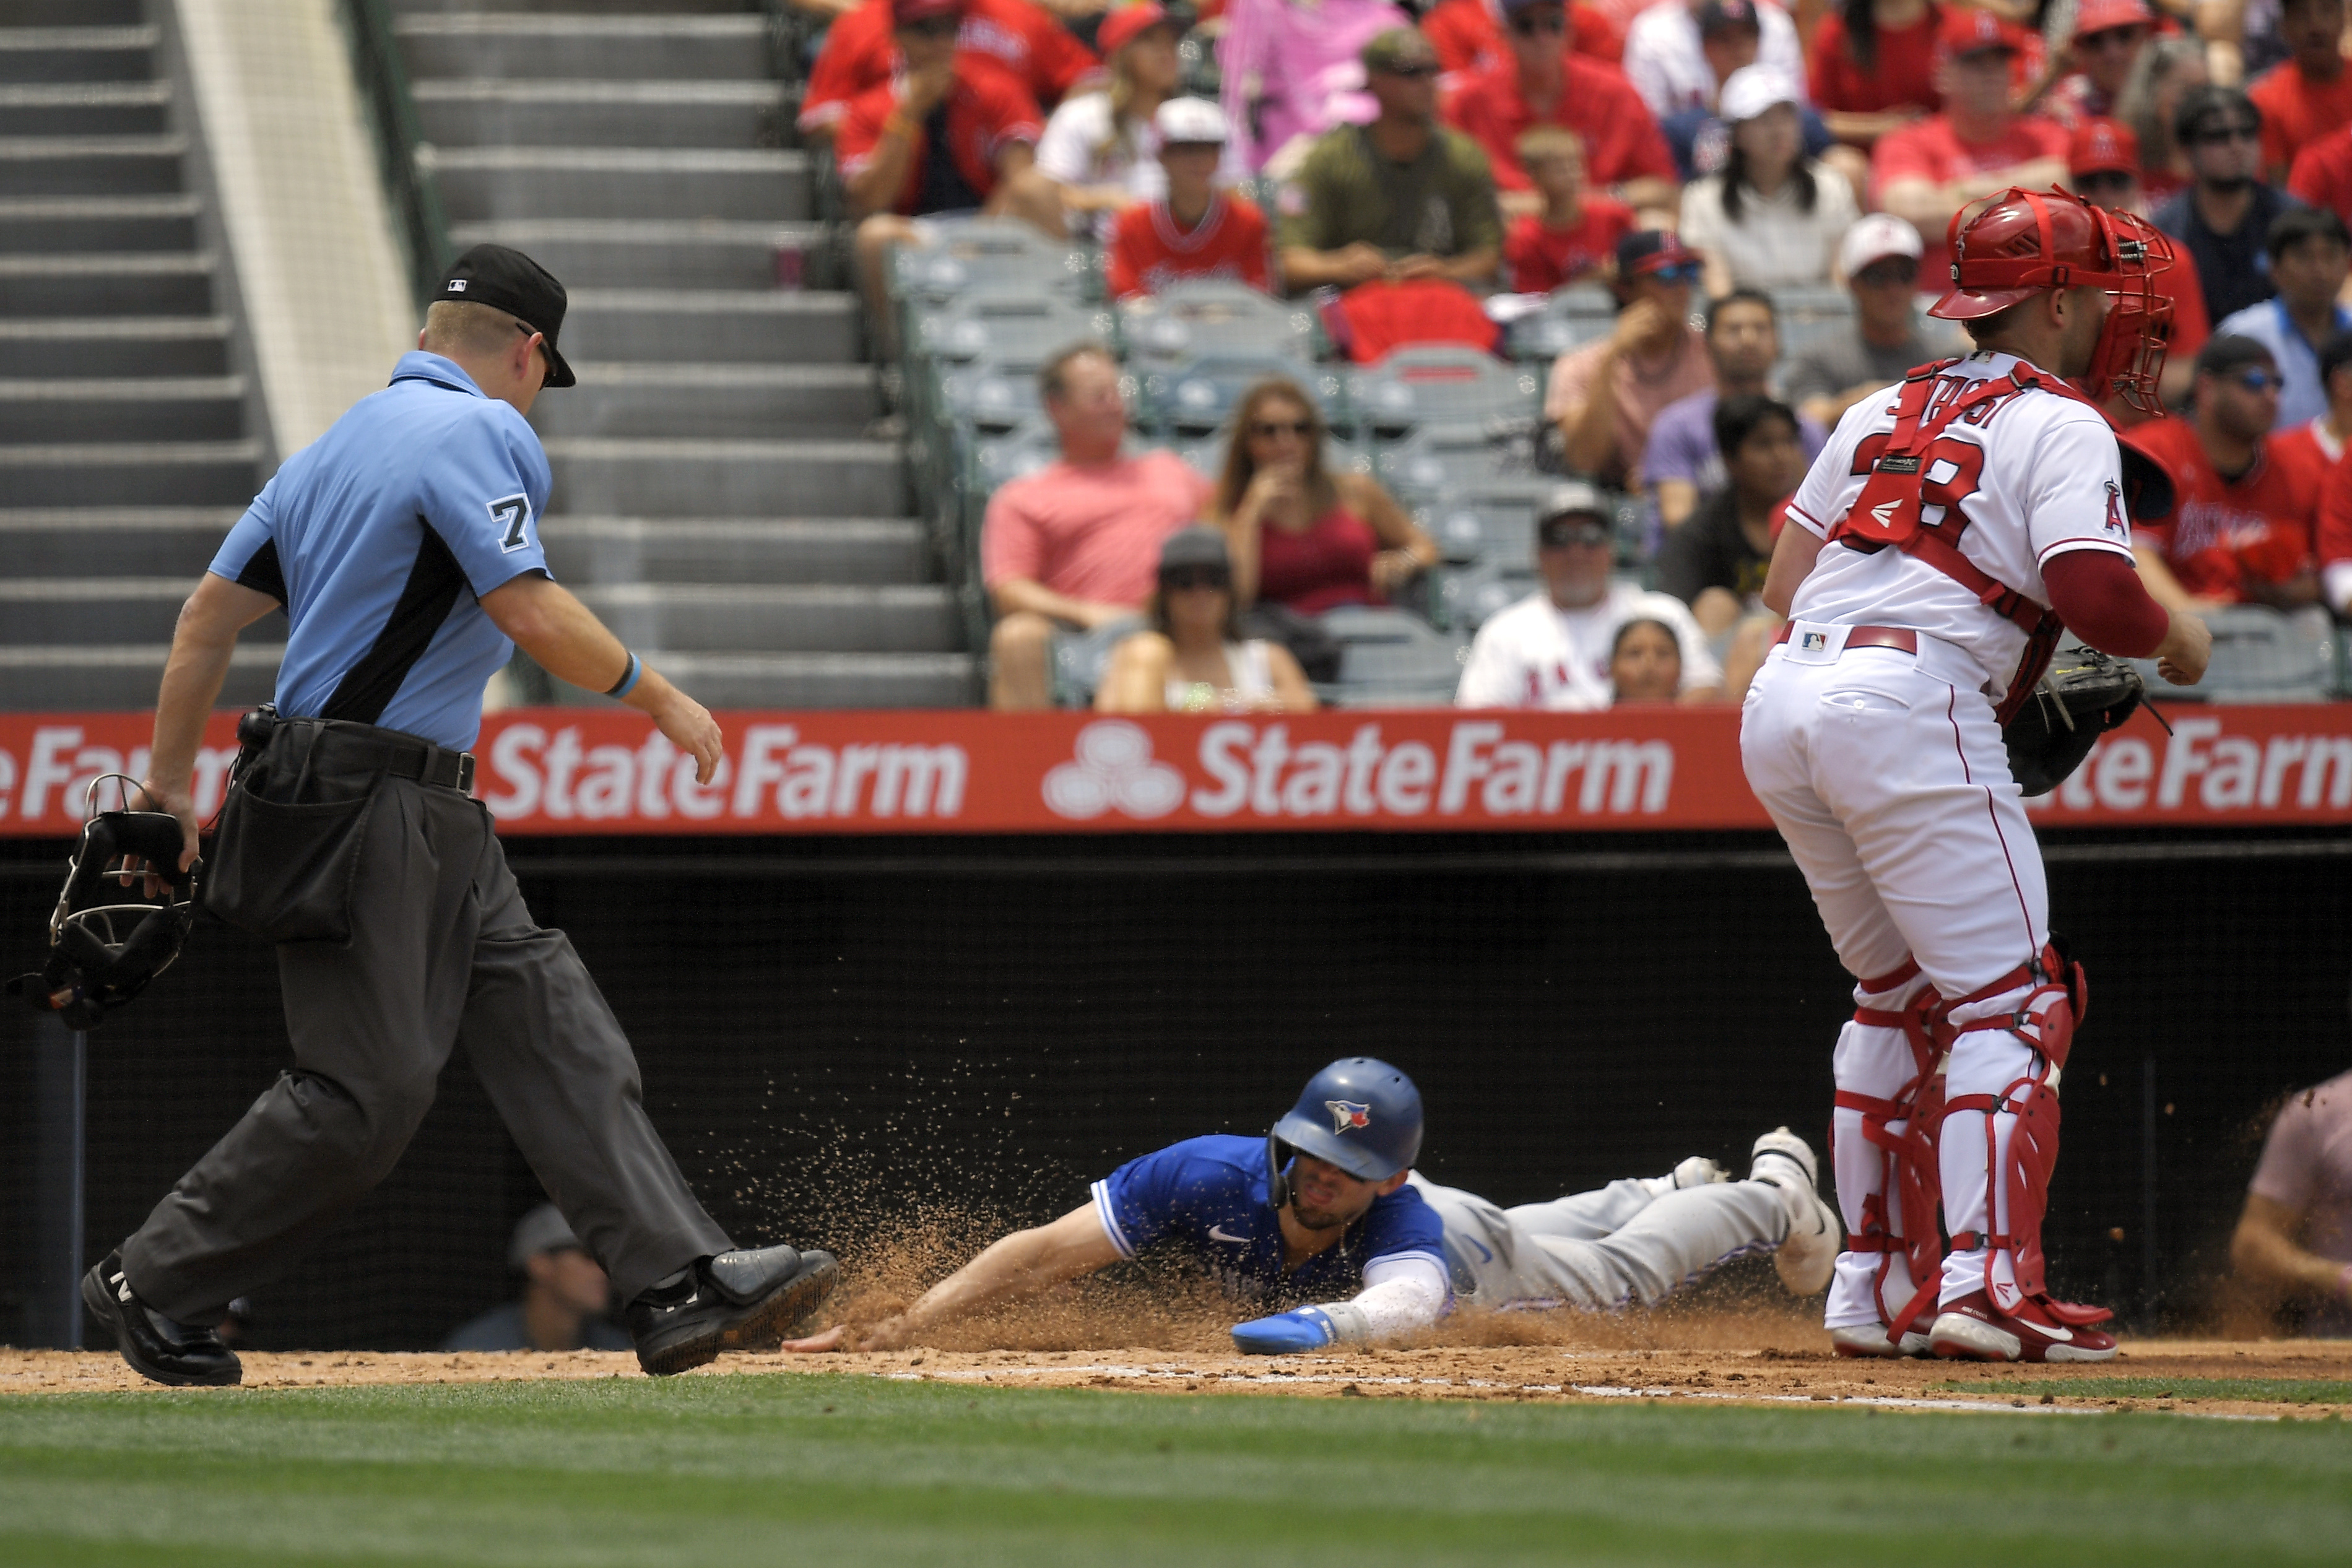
x=1879 y=259
x=1604 y=397
x=2102 y=167
x=2108 y=36
x=1553 y=649
x=2227 y=211
x=1977 y=145
x=2310 y=95
x=2309 y=251
x=1468 y=36
x=1194 y=658
x=1015 y=36
x=1667 y=64
x=1403 y=198
x=2244 y=507
x=1303 y=537
x=1542 y=84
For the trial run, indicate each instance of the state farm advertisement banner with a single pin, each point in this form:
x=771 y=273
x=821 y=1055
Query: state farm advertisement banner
x=570 y=770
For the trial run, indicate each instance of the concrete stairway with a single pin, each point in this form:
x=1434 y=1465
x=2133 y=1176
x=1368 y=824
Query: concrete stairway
x=125 y=452
x=715 y=498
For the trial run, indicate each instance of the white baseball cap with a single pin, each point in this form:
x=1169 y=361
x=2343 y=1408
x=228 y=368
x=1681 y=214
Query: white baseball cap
x=1752 y=89
x=1190 y=121
x=1874 y=238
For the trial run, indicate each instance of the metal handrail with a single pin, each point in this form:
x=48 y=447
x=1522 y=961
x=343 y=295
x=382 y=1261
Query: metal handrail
x=401 y=147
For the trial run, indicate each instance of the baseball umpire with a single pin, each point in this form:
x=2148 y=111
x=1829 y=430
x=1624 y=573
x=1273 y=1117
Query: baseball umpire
x=1328 y=1205
x=1955 y=525
x=403 y=547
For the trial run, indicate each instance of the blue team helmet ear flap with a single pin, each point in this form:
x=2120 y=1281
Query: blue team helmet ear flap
x=1359 y=1113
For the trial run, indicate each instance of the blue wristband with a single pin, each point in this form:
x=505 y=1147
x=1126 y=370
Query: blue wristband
x=628 y=681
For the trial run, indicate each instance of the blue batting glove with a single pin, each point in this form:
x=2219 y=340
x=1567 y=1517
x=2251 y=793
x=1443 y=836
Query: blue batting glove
x=1284 y=1334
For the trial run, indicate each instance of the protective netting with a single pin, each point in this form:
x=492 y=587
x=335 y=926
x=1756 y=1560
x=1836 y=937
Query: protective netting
x=849 y=1044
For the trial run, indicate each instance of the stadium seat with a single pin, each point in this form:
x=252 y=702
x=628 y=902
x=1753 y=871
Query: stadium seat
x=1390 y=659
x=1211 y=316
x=966 y=254
x=1201 y=394
x=1081 y=657
x=1446 y=385
x=1489 y=517
x=2259 y=656
x=1467 y=598
x=1001 y=319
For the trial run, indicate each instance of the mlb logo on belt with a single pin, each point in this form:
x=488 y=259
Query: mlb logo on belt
x=1813 y=642
x=1347 y=1115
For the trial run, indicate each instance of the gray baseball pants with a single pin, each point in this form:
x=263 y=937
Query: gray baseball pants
x=1632 y=1241
x=443 y=951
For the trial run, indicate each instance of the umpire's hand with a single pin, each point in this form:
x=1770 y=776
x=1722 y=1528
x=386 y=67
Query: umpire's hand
x=572 y=644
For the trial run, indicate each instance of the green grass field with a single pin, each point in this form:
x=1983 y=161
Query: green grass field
x=836 y=1471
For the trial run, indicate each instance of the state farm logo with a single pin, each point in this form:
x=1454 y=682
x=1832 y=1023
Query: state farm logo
x=1114 y=768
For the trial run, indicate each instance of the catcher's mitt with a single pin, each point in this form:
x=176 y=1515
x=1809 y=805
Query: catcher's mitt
x=2084 y=695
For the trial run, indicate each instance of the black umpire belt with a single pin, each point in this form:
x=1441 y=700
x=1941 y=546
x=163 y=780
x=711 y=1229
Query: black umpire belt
x=367 y=749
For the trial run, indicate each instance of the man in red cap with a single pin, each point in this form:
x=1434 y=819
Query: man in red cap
x=1017 y=36
x=1951 y=529
x=2108 y=36
x=1605 y=396
x=945 y=136
x=1929 y=170
x=2310 y=93
x=1625 y=154
x=2103 y=167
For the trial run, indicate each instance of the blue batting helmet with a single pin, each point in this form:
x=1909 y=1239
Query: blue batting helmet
x=1359 y=1113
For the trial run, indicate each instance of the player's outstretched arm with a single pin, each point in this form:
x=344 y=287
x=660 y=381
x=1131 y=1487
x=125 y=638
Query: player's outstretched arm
x=570 y=643
x=1021 y=1264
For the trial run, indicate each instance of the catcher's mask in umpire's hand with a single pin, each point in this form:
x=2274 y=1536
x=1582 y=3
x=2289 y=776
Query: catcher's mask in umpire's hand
x=107 y=941
x=1359 y=1113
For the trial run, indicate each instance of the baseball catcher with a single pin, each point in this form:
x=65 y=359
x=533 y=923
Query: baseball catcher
x=1953 y=527
x=1324 y=1221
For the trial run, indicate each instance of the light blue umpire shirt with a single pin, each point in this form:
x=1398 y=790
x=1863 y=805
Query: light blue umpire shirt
x=2301 y=397
x=380 y=539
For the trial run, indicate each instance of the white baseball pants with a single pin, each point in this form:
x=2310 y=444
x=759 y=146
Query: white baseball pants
x=1632 y=1241
x=1887 y=776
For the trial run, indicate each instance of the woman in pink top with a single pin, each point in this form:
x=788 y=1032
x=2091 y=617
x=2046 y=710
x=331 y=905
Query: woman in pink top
x=1291 y=70
x=1303 y=537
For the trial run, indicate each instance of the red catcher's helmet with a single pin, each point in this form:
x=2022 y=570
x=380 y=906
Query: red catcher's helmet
x=2024 y=243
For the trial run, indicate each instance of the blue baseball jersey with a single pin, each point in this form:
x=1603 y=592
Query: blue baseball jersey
x=1208 y=1197
x=380 y=539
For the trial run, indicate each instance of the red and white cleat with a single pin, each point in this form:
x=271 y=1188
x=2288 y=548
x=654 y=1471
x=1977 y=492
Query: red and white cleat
x=1872 y=1339
x=1973 y=1329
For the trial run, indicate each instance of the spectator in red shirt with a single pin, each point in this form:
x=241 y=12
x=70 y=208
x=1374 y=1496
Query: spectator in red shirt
x=1576 y=233
x=1017 y=37
x=1543 y=85
x=2311 y=94
x=1469 y=37
x=2322 y=174
x=1077 y=543
x=2321 y=440
x=2108 y=36
x=1977 y=146
x=2102 y=167
x=1873 y=67
x=949 y=136
x=1195 y=230
x=2241 y=522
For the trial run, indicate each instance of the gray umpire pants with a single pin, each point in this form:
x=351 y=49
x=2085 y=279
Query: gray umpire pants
x=443 y=951
x=1632 y=1241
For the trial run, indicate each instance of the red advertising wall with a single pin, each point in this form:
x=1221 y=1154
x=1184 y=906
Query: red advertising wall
x=577 y=771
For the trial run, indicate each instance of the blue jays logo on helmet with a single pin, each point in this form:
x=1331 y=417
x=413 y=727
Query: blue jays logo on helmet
x=1360 y=1114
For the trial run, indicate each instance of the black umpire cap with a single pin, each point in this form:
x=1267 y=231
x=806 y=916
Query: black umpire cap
x=508 y=280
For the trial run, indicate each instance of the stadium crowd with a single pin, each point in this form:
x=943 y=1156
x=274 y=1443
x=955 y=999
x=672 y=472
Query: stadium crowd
x=1431 y=178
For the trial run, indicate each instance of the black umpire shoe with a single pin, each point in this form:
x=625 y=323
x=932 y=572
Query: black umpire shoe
x=745 y=1300
x=158 y=1349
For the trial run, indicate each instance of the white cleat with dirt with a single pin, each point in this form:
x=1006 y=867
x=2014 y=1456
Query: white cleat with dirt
x=1807 y=1257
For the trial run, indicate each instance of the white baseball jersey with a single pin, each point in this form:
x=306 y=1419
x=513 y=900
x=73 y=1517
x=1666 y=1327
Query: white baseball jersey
x=1537 y=655
x=2034 y=475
